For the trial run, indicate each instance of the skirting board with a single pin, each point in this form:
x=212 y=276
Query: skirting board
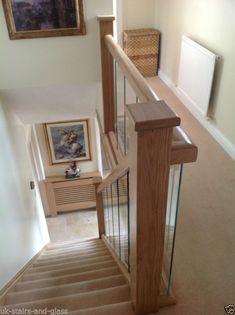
x=206 y=122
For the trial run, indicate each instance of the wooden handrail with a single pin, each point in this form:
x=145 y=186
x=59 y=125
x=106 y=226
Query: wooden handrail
x=137 y=81
x=118 y=172
x=183 y=150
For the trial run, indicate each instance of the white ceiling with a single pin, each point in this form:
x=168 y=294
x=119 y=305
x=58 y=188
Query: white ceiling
x=54 y=103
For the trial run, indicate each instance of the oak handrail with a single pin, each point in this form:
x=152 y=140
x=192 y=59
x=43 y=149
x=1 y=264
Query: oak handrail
x=137 y=81
x=118 y=172
x=183 y=150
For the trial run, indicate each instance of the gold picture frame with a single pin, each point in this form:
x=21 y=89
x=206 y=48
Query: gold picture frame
x=68 y=141
x=47 y=18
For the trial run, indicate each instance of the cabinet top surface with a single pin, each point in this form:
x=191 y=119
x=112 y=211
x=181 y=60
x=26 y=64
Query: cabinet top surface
x=95 y=175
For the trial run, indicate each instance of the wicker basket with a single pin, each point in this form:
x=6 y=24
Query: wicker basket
x=147 y=65
x=142 y=47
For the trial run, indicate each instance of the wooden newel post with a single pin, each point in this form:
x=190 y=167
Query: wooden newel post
x=150 y=137
x=107 y=64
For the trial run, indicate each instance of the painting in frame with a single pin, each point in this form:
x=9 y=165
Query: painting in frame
x=44 y=18
x=68 y=141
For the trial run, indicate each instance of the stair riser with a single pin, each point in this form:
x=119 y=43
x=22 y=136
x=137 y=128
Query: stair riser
x=63 y=272
x=46 y=293
x=81 y=301
x=31 y=285
x=69 y=265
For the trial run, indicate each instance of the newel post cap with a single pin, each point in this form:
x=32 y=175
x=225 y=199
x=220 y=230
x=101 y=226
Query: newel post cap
x=152 y=115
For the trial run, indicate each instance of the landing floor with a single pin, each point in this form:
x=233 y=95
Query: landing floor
x=73 y=225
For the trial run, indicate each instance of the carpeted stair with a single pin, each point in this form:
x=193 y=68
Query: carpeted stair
x=79 y=277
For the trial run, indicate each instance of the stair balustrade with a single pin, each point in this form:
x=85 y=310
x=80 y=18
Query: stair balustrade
x=138 y=202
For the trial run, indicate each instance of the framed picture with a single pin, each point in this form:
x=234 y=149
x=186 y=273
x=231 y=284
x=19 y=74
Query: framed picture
x=44 y=18
x=68 y=141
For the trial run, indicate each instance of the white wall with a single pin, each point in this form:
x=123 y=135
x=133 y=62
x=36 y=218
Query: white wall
x=58 y=169
x=23 y=230
x=211 y=23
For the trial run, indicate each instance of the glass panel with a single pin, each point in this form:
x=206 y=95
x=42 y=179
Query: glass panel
x=116 y=216
x=124 y=94
x=116 y=223
x=171 y=221
x=106 y=212
x=110 y=214
x=124 y=218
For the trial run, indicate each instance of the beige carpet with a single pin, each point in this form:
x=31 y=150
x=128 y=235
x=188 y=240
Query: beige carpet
x=81 y=224
x=80 y=278
x=204 y=264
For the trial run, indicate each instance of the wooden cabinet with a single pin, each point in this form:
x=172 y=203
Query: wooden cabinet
x=60 y=194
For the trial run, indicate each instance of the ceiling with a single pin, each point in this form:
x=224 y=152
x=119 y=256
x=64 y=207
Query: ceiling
x=54 y=103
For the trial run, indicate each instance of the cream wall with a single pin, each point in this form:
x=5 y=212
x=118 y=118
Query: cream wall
x=211 y=23
x=58 y=169
x=138 y=13
x=23 y=230
x=54 y=60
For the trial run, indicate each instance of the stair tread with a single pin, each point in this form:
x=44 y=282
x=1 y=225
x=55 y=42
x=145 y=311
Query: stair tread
x=71 y=255
x=62 y=290
x=75 y=241
x=66 y=271
x=71 y=258
x=72 y=278
x=81 y=300
x=34 y=269
x=80 y=277
x=72 y=249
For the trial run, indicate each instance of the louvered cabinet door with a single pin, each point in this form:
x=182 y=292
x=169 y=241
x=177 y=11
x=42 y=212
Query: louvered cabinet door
x=67 y=195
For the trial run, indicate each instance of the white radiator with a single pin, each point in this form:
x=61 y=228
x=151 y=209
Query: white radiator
x=196 y=72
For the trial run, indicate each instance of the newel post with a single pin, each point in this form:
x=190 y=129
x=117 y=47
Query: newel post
x=107 y=64
x=150 y=137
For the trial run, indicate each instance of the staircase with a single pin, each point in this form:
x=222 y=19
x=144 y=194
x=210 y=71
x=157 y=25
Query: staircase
x=79 y=277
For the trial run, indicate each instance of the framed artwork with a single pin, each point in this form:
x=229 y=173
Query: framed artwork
x=68 y=141
x=44 y=18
